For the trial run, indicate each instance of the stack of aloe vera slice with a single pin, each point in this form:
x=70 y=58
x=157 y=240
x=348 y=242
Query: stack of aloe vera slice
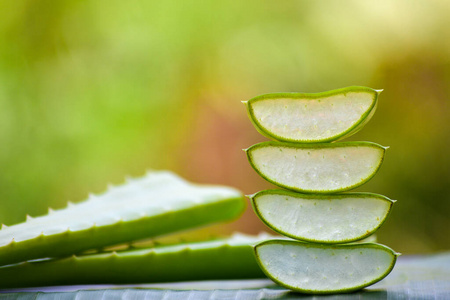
x=314 y=172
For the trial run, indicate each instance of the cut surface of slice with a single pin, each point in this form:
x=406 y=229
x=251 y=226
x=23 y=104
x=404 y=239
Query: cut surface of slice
x=316 y=168
x=312 y=118
x=323 y=269
x=333 y=218
x=156 y=204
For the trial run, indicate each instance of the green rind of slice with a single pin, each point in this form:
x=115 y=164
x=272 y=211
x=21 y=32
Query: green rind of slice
x=157 y=204
x=313 y=117
x=340 y=218
x=230 y=258
x=316 y=168
x=324 y=269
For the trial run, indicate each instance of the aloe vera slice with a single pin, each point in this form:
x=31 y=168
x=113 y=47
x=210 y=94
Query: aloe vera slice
x=312 y=118
x=316 y=168
x=323 y=269
x=156 y=204
x=230 y=258
x=322 y=218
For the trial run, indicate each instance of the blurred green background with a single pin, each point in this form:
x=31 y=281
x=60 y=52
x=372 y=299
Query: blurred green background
x=91 y=91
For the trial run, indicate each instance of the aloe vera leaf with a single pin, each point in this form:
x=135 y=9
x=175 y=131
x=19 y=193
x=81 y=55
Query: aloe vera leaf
x=313 y=118
x=316 y=168
x=324 y=269
x=340 y=218
x=157 y=204
x=230 y=258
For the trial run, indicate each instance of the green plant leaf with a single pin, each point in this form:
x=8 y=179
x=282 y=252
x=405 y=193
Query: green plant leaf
x=324 y=269
x=229 y=258
x=313 y=118
x=316 y=168
x=337 y=218
x=156 y=204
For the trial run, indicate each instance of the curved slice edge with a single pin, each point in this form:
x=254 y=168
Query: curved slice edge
x=358 y=125
x=309 y=245
x=249 y=150
x=254 y=198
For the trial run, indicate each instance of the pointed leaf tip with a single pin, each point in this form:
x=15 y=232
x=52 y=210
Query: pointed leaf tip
x=379 y=91
x=251 y=196
x=4 y=226
x=28 y=217
x=245 y=102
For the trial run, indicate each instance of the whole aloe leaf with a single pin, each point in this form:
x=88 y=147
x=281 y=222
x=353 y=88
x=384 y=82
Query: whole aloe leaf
x=313 y=117
x=156 y=204
x=230 y=258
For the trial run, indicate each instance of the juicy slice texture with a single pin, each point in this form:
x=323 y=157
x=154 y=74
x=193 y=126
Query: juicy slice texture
x=313 y=118
x=156 y=204
x=337 y=218
x=227 y=258
x=322 y=269
x=316 y=168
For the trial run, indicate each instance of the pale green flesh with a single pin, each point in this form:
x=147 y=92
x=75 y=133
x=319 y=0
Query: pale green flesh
x=230 y=258
x=314 y=268
x=156 y=204
x=316 y=168
x=309 y=118
x=323 y=219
